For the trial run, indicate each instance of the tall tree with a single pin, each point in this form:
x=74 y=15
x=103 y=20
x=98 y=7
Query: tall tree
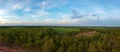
x=48 y=46
x=91 y=48
x=60 y=49
x=72 y=48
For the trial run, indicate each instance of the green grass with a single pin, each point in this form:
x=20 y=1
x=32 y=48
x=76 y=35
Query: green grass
x=62 y=30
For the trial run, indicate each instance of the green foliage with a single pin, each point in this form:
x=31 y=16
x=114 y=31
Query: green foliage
x=48 y=46
x=60 y=39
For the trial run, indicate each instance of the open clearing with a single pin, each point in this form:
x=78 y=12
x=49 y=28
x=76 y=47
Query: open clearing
x=89 y=33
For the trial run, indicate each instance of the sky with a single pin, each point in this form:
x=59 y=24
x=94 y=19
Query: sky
x=60 y=12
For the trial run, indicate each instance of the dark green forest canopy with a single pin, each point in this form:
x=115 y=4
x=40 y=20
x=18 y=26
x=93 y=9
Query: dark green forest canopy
x=61 y=39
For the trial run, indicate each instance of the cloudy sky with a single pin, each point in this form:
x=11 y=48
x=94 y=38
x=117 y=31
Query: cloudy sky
x=60 y=12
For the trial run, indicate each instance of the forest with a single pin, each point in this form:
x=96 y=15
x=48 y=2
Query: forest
x=60 y=39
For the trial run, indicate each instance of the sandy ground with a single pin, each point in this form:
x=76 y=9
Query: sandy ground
x=11 y=49
x=89 y=33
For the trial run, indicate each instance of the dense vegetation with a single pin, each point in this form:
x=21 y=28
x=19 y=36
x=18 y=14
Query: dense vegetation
x=61 y=39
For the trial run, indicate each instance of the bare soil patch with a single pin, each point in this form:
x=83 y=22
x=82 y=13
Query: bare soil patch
x=89 y=33
x=11 y=49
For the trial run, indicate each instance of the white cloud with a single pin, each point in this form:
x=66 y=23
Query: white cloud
x=34 y=16
x=27 y=9
x=109 y=14
x=48 y=4
x=43 y=13
x=65 y=21
x=3 y=21
x=115 y=14
x=15 y=7
x=43 y=5
x=3 y=12
x=39 y=14
x=48 y=20
x=63 y=16
x=16 y=4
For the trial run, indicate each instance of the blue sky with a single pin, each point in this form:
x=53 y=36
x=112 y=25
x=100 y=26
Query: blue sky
x=60 y=12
